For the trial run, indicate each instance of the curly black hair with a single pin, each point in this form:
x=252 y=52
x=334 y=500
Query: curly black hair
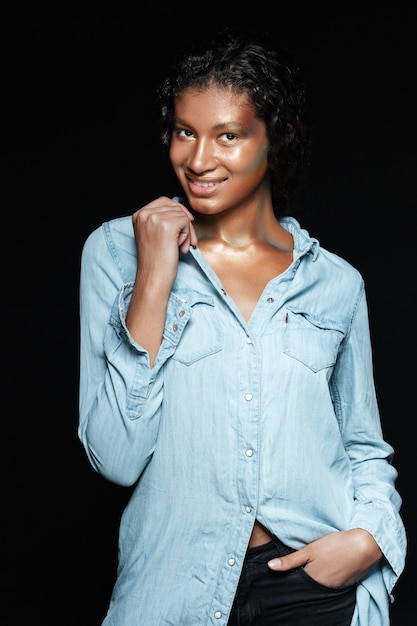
x=250 y=62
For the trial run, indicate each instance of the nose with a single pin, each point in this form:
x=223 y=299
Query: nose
x=203 y=156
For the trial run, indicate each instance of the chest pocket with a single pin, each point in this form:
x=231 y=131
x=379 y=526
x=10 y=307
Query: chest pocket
x=203 y=335
x=311 y=340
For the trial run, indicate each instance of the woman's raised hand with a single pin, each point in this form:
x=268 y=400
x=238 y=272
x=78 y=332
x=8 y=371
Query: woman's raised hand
x=162 y=228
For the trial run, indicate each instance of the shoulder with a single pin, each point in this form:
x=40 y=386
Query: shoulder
x=321 y=258
x=112 y=243
x=339 y=264
x=115 y=232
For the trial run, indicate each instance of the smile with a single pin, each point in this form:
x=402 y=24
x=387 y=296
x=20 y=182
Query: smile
x=205 y=183
x=205 y=188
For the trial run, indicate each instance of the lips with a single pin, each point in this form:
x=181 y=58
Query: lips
x=205 y=188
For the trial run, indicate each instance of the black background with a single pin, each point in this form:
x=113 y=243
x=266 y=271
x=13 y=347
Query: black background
x=80 y=144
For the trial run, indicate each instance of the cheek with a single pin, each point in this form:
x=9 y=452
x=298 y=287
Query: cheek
x=261 y=161
x=257 y=163
x=175 y=155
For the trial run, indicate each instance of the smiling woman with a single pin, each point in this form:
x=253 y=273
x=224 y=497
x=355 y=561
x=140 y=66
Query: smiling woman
x=221 y=161
x=226 y=374
x=222 y=155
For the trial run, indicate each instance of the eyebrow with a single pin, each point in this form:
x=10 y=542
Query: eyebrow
x=227 y=125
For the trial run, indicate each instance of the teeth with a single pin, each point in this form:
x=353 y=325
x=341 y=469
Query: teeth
x=204 y=184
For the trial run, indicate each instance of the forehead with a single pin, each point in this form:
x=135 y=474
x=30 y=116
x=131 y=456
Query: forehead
x=213 y=100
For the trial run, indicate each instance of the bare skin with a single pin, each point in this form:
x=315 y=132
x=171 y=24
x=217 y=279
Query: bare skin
x=219 y=152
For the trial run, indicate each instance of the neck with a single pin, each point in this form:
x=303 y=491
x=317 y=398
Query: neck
x=243 y=227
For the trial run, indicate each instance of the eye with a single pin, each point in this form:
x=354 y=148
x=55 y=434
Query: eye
x=183 y=132
x=228 y=137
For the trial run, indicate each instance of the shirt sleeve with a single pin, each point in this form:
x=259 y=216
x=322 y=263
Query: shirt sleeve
x=377 y=502
x=119 y=394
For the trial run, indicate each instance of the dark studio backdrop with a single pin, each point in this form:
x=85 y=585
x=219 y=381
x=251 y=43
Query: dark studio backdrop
x=80 y=144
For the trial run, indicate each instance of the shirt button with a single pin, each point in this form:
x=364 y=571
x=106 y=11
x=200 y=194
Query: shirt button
x=269 y=300
x=218 y=614
x=248 y=396
x=248 y=509
x=181 y=313
x=248 y=340
x=175 y=328
x=224 y=292
x=249 y=452
x=231 y=561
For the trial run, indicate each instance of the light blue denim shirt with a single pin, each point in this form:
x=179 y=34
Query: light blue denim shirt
x=275 y=420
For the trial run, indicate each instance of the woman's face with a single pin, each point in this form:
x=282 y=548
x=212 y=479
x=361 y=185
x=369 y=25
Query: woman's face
x=218 y=150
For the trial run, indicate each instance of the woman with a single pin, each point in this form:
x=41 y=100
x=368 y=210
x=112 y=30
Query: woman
x=226 y=373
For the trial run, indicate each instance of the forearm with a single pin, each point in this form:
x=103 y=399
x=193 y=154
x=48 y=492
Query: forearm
x=145 y=319
x=162 y=229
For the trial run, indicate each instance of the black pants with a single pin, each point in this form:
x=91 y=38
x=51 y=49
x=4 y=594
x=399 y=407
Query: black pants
x=293 y=598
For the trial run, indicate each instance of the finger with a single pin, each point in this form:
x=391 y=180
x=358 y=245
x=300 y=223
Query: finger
x=187 y=237
x=184 y=240
x=167 y=204
x=290 y=561
x=162 y=204
x=193 y=236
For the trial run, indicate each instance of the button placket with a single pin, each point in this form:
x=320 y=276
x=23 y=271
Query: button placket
x=181 y=313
